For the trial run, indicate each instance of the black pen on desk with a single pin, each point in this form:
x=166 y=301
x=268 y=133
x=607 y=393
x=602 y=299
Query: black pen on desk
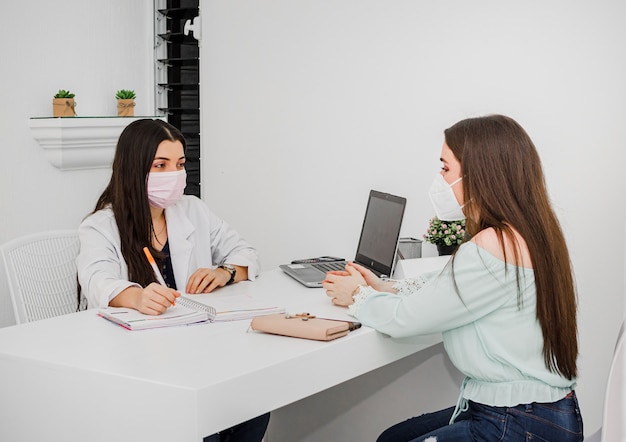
x=306 y=316
x=353 y=325
x=155 y=269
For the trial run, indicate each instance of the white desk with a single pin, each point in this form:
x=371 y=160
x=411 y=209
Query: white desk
x=80 y=378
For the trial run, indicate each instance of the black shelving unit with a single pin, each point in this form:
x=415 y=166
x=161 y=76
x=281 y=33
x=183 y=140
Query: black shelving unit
x=177 y=72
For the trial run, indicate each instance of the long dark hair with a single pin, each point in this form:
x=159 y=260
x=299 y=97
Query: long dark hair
x=126 y=192
x=504 y=187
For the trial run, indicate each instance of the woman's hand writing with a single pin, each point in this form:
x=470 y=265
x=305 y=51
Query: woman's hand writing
x=154 y=299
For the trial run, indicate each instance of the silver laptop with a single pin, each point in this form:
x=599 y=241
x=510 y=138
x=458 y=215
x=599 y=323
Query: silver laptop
x=377 y=244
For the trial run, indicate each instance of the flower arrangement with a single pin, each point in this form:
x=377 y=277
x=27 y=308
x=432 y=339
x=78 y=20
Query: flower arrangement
x=449 y=233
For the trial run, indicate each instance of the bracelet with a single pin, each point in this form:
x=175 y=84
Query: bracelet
x=356 y=291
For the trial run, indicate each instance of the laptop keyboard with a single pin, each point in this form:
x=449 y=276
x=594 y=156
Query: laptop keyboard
x=330 y=266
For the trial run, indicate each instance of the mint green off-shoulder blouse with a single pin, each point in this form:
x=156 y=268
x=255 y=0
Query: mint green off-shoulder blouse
x=493 y=338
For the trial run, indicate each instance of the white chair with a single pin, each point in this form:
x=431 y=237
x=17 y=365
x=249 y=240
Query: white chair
x=41 y=272
x=613 y=422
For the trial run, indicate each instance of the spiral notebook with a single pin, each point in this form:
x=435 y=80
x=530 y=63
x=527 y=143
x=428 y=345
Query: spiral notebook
x=229 y=307
x=192 y=309
x=132 y=319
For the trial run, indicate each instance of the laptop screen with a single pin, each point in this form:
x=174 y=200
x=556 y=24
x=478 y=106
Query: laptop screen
x=380 y=232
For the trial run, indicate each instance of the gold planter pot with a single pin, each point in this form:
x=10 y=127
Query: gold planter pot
x=63 y=107
x=125 y=107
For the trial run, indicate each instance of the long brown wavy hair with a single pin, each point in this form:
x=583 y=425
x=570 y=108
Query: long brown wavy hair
x=505 y=189
x=127 y=195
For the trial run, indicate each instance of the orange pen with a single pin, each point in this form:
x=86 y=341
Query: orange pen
x=157 y=273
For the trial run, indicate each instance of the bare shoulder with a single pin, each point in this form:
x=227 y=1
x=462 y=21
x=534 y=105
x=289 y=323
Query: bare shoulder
x=488 y=239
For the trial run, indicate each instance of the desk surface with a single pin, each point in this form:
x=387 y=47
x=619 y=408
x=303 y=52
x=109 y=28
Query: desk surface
x=80 y=377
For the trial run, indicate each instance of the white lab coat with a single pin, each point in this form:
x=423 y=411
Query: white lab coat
x=197 y=238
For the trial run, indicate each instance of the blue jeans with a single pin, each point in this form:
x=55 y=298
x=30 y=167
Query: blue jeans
x=248 y=431
x=557 y=421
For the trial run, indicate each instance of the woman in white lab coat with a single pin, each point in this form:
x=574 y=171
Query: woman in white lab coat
x=144 y=206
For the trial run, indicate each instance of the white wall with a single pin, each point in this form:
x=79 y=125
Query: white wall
x=92 y=48
x=306 y=105
x=309 y=104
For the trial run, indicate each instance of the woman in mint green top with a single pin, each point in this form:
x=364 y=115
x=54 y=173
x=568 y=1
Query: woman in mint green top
x=505 y=303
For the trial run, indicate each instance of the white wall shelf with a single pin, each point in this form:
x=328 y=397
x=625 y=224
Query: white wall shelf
x=72 y=143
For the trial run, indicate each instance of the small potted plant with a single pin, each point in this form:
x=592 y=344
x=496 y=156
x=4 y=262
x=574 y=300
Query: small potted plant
x=125 y=103
x=446 y=235
x=63 y=104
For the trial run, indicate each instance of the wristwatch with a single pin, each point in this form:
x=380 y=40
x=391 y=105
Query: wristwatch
x=230 y=269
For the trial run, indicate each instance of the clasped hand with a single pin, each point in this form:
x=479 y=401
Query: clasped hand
x=341 y=285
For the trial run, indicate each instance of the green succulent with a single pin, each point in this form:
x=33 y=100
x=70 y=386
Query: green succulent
x=125 y=94
x=64 y=94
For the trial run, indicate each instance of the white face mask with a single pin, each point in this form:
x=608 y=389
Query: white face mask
x=165 y=188
x=444 y=202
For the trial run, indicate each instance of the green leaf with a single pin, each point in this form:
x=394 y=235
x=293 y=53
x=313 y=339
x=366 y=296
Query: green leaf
x=125 y=94
x=64 y=94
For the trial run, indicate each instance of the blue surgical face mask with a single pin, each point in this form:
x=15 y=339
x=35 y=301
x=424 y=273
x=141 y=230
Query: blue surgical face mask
x=447 y=208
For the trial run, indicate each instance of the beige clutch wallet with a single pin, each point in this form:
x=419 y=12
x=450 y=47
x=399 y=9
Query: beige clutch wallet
x=303 y=325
